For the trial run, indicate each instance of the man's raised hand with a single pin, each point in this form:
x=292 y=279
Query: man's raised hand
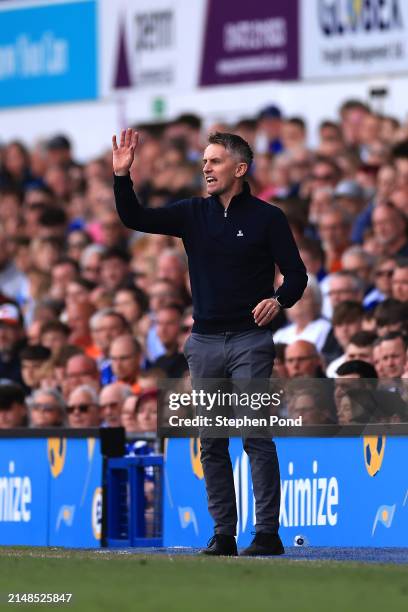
x=123 y=154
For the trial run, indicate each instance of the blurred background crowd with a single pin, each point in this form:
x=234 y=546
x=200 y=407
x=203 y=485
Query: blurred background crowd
x=93 y=315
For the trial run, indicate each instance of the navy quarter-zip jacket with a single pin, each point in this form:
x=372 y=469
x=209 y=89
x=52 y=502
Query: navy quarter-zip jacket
x=231 y=253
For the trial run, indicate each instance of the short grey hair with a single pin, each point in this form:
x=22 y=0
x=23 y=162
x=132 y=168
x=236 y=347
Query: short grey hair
x=93 y=394
x=90 y=250
x=358 y=251
x=52 y=392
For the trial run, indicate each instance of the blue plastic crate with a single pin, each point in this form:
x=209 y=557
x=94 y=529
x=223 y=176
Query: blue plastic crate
x=130 y=522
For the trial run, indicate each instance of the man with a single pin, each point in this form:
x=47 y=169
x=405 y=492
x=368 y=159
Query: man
x=393 y=355
x=47 y=408
x=125 y=355
x=359 y=347
x=347 y=320
x=111 y=400
x=80 y=370
x=334 y=231
x=13 y=411
x=303 y=360
x=11 y=334
x=82 y=408
x=390 y=230
x=232 y=241
x=400 y=281
x=168 y=324
x=33 y=359
x=338 y=287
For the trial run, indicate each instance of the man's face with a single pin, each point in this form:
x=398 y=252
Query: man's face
x=344 y=331
x=383 y=277
x=168 y=327
x=106 y=330
x=54 y=340
x=220 y=169
x=45 y=412
x=31 y=372
x=362 y=353
x=387 y=226
x=80 y=371
x=333 y=230
x=110 y=403
x=342 y=384
x=400 y=284
x=393 y=357
x=305 y=406
x=82 y=410
x=113 y=273
x=147 y=415
x=301 y=361
x=340 y=289
x=128 y=414
x=9 y=335
x=12 y=416
x=356 y=264
x=125 y=361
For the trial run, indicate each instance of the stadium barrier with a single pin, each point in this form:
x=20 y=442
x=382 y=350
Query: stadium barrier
x=335 y=491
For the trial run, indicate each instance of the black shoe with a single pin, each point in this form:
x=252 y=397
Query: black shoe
x=264 y=544
x=221 y=544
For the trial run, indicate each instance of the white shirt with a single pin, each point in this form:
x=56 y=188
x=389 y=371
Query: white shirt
x=315 y=332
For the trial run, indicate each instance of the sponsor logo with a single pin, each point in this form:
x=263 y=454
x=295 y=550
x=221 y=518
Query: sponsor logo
x=56 y=450
x=15 y=497
x=384 y=515
x=309 y=501
x=195 y=458
x=188 y=517
x=66 y=516
x=340 y=17
x=374 y=447
x=96 y=513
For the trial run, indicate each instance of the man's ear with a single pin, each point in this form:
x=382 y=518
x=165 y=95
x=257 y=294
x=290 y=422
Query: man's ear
x=241 y=170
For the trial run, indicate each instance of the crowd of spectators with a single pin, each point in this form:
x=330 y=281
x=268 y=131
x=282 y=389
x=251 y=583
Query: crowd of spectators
x=93 y=315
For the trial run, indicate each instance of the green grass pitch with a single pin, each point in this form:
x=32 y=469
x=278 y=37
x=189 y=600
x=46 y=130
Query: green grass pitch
x=120 y=581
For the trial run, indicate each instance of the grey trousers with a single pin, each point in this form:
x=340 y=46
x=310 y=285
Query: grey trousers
x=237 y=355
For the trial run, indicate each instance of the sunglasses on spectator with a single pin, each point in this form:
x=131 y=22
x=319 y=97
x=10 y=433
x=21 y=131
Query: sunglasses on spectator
x=83 y=408
x=186 y=328
x=45 y=407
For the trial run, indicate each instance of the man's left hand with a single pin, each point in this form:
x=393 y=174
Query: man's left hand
x=265 y=311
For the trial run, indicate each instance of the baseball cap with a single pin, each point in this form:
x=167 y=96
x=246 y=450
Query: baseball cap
x=270 y=112
x=9 y=314
x=58 y=142
x=348 y=189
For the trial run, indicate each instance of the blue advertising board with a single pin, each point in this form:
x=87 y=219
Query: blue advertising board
x=48 y=53
x=335 y=492
x=75 y=511
x=24 y=492
x=50 y=492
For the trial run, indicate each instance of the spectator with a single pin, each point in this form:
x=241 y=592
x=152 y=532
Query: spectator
x=306 y=322
x=338 y=287
x=111 y=399
x=303 y=360
x=114 y=269
x=334 y=231
x=311 y=405
x=125 y=356
x=146 y=412
x=11 y=333
x=128 y=415
x=47 y=408
x=82 y=408
x=390 y=230
x=33 y=359
x=393 y=355
x=346 y=321
x=399 y=281
x=90 y=262
x=359 y=346
x=80 y=370
x=54 y=336
x=390 y=316
x=168 y=326
x=13 y=411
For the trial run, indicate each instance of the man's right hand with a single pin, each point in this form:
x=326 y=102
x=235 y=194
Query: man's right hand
x=123 y=155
